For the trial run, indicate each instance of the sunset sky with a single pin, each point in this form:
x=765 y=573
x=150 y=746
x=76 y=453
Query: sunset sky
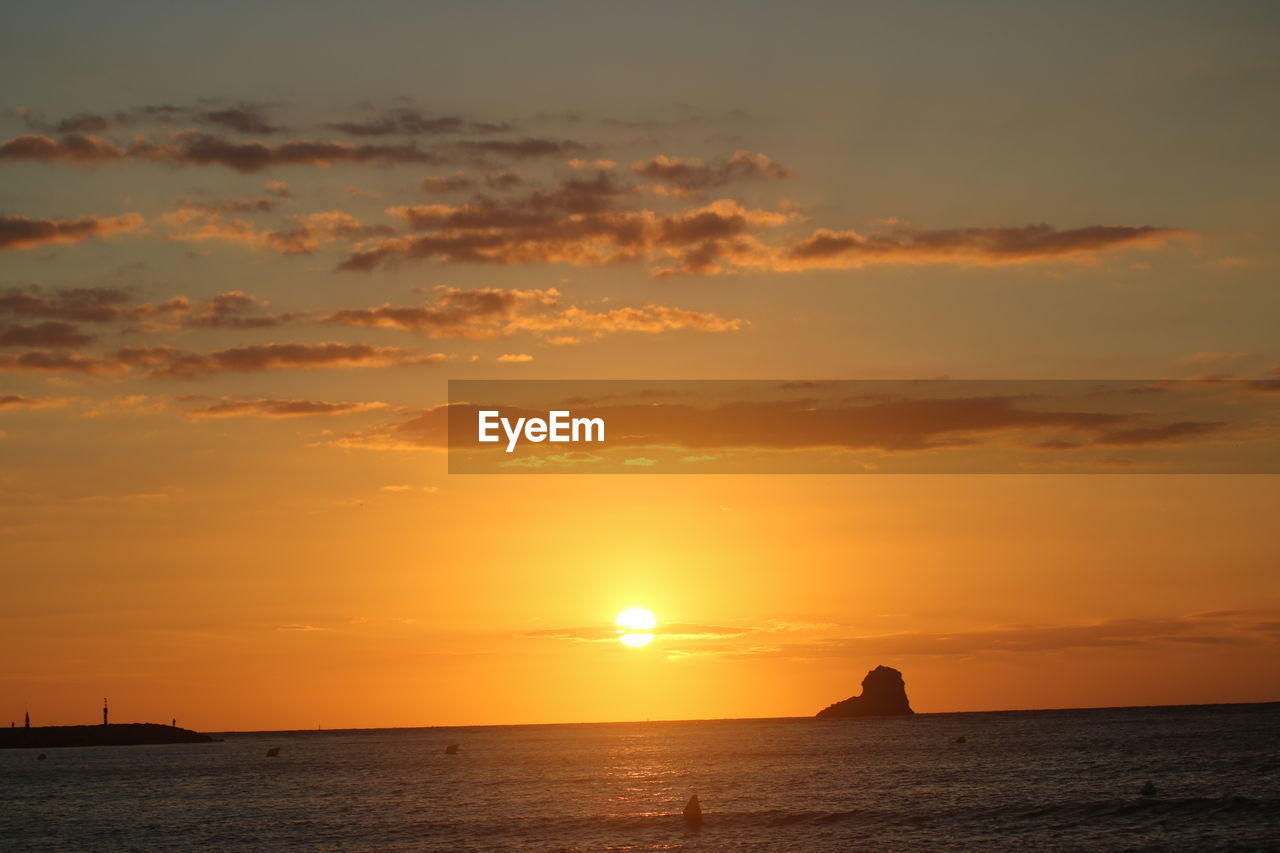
x=244 y=246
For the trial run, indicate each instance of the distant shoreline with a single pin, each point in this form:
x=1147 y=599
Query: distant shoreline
x=838 y=720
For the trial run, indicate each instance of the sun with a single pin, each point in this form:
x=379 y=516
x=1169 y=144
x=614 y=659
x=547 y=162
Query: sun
x=635 y=627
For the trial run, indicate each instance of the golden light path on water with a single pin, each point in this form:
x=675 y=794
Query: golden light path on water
x=635 y=627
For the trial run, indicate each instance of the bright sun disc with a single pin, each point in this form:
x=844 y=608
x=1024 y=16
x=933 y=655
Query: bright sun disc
x=635 y=627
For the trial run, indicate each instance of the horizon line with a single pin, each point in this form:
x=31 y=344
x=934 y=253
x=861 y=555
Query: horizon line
x=731 y=719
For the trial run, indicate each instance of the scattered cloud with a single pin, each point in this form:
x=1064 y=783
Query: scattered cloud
x=1215 y=358
x=1166 y=434
x=18 y=401
x=1104 y=634
x=441 y=184
x=490 y=312
x=52 y=334
x=826 y=640
x=610 y=633
x=308 y=232
x=274 y=408
x=827 y=249
x=406 y=121
x=233 y=309
x=80 y=304
x=21 y=232
x=199 y=148
x=165 y=362
x=691 y=176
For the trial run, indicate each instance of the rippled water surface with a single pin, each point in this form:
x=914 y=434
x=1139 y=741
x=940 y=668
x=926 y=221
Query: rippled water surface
x=1050 y=780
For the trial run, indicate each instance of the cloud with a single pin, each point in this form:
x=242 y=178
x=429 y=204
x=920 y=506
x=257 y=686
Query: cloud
x=579 y=224
x=489 y=312
x=260 y=357
x=1104 y=634
x=165 y=362
x=81 y=304
x=274 y=408
x=309 y=232
x=58 y=362
x=477 y=313
x=412 y=122
x=1211 y=358
x=590 y=221
x=1167 y=434
x=649 y=319
x=521 y=149
x=243 y=119
x=689 y=176
x=609 y=633
x=255 y=204
x=827 y=249
x=52 y=334
x=74 y=148
x=18 y=401
x=21 y=232
x=198 y=148
x=515 y=357
x=83 y=123
x=128 y=405
x=195 y=148
x=824 y=640
x=457 y=182
x=233 y=309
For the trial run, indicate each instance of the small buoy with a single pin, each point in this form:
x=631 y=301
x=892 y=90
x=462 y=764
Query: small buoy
x=961 y=739
x=273 y=752
x=1148 y=790
x=451 y=749
x=41 y=757
x=693 y=810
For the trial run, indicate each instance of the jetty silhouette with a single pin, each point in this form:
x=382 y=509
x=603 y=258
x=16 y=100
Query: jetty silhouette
x=104 y=734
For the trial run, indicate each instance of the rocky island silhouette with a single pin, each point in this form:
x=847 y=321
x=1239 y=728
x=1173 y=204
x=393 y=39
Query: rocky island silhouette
x=884 y=694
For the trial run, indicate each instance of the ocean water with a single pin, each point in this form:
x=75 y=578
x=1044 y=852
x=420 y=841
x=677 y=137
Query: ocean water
x=1042 y=780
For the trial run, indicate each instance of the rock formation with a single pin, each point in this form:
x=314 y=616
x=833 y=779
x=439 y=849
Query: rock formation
x=883 y=694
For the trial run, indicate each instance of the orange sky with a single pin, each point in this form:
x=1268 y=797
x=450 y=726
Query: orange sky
x=224 y=295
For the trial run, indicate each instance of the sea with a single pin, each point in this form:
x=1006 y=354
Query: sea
x=1019 y=780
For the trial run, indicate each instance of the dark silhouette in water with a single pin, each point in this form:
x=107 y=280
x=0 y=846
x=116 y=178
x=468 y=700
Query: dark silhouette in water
x=693 y=811
x=883 y=694
x=1148 y=790
x=116 y=734
x=961 y=739
x=451 y=749
x=273 y=752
